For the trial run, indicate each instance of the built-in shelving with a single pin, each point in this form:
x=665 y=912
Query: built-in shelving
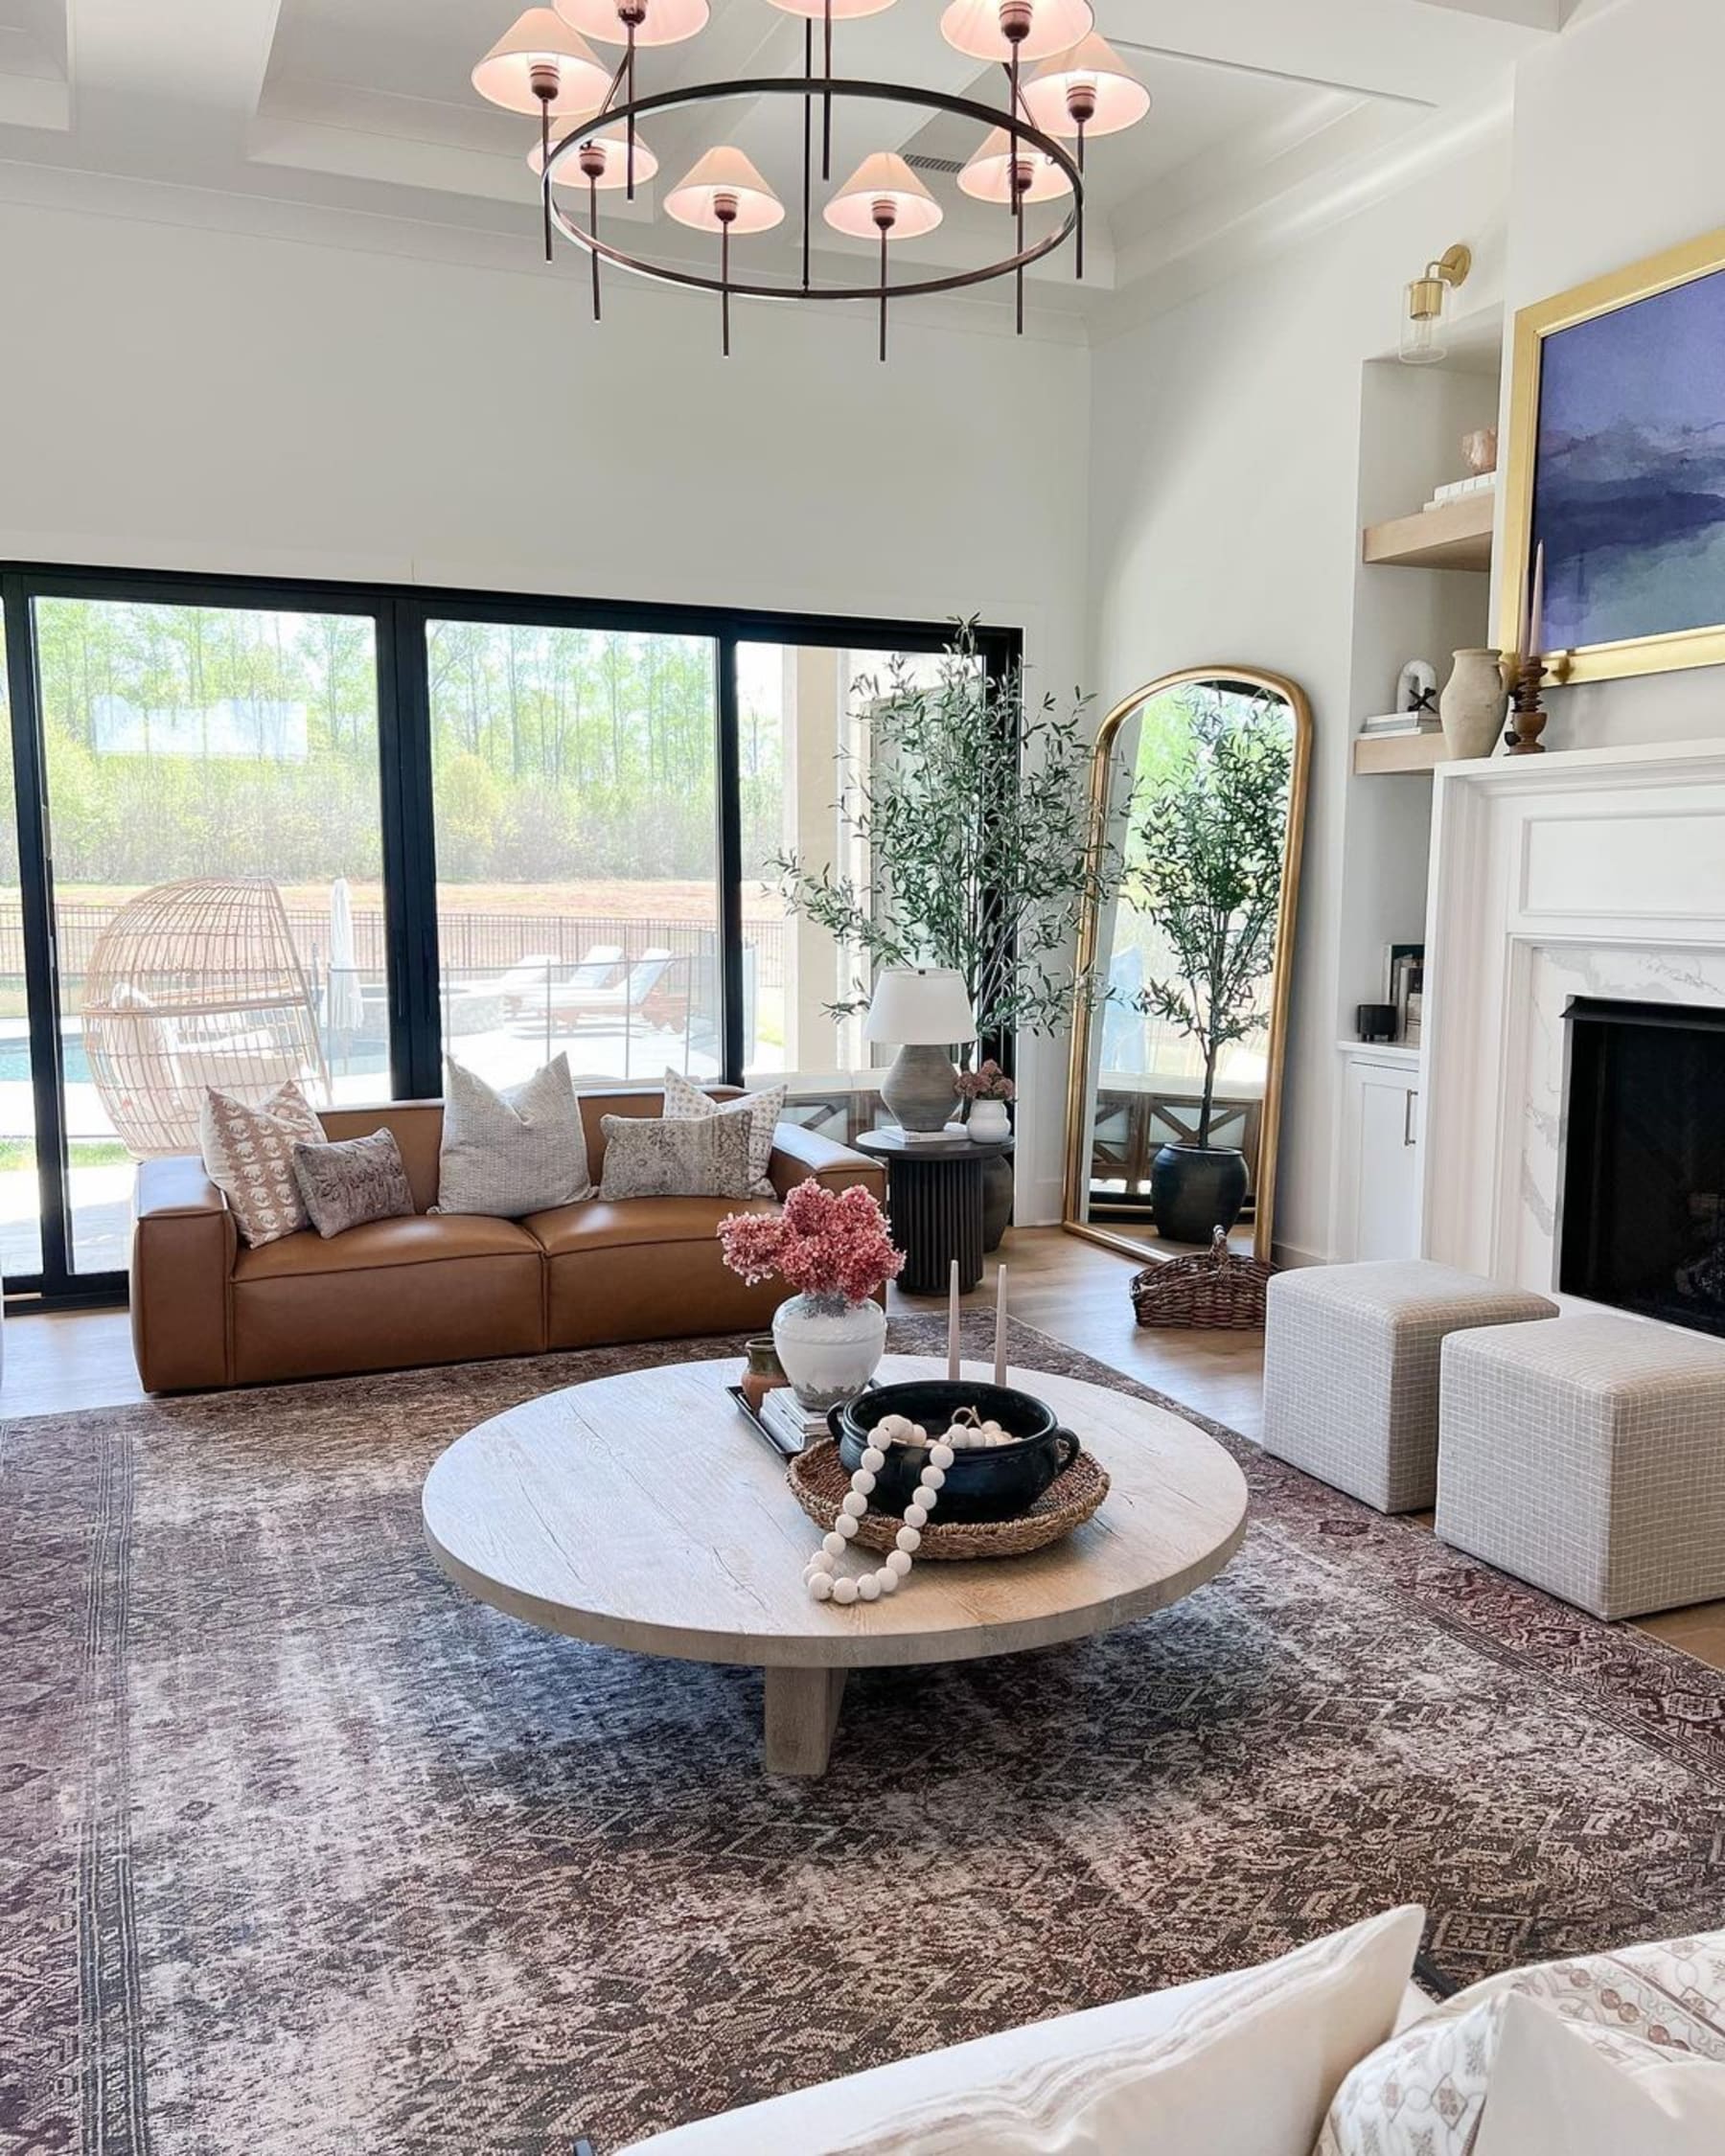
x=1398 y=752
x=1457 y=536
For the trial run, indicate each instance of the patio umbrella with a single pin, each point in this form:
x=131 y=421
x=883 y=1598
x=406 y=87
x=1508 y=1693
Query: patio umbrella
x=345 y=1006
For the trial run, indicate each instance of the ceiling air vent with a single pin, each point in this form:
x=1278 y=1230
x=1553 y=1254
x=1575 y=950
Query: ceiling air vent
x=922 y=164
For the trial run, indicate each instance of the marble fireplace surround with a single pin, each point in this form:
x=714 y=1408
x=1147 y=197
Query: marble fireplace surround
x=1595 y=872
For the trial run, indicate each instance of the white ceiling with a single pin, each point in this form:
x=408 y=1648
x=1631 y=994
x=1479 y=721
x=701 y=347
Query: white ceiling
x=338 y=107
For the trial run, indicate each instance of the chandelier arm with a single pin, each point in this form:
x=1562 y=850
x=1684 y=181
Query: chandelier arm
x=545 y=170
x=826 y=103
x=808 y=117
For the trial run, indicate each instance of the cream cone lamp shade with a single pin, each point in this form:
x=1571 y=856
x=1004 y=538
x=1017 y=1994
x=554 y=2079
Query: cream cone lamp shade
x=927 y=1013
x=1085 y=91
x=612 y=148
x=999 y=30
x=539 y=64
x=658 y=22
x=724 y=179
x=841 y=10
x=989 y=174
x=883 y=192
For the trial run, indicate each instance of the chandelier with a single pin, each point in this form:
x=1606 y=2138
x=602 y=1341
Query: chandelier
x=1064 y=84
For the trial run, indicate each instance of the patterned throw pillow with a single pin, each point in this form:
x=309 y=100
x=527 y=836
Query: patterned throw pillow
x=647 y=1157
x=1423 y=2093
x=685 y=1102
x=346 y=1183
x=512 y=1151
x=248 y=1155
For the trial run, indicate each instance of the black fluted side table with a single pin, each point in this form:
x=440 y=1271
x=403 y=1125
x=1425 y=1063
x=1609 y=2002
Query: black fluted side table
x=935 y=1196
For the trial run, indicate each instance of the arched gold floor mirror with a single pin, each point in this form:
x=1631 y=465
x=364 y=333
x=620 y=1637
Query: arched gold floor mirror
x=1180 y=1025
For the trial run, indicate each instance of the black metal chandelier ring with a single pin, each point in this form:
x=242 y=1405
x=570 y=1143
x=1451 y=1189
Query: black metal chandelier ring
x=611 y=116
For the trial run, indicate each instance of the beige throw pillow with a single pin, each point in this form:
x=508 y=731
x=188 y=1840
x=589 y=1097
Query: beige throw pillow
x=648 y=1158
x=687 y=1102
x=512 y=1150
x=248 y=1155
x=1561 y=2088
x=352 y=1182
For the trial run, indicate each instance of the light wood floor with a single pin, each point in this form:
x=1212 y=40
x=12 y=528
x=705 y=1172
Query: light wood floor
x=1068 y=1288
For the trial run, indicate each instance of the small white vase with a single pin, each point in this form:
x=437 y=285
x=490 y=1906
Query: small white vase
x=828 y=1348
x=988 y=1119
x=1472 y=703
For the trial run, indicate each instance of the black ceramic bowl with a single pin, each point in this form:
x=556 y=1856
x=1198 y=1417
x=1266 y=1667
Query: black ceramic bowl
x=996 y=1484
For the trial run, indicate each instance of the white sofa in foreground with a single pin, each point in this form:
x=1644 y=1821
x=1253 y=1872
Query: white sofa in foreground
x=1327 y=2051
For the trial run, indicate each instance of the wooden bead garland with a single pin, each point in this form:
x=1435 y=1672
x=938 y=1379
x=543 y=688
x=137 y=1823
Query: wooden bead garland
x=823 y=1583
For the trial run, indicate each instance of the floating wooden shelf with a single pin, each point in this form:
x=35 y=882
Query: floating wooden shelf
x=1398 y=752
x=1455 y=536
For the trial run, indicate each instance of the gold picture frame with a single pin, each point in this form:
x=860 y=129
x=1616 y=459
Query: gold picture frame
x=1661 y=653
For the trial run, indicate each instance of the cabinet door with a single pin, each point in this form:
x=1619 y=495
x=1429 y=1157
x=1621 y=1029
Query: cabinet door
x=1383 y=1161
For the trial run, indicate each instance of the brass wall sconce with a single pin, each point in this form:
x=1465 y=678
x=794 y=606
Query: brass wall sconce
x=1427 y=310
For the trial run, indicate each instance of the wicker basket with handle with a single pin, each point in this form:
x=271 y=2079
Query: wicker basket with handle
x=1220 y=1289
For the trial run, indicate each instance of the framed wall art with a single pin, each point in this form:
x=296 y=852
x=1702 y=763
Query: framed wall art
x=1616 y=469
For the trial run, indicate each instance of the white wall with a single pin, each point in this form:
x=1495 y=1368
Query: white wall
x=1616 y=156
x=1225 y=485
x=197 y=399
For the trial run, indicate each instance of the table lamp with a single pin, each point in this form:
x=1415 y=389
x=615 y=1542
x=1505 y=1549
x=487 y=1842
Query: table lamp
x=926 y=1011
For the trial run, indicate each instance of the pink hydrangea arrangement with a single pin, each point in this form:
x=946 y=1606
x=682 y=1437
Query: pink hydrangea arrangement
x=824 y=1243
x=988 y=1082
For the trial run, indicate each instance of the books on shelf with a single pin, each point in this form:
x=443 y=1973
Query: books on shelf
x=1480 y=484
x=1394 y=724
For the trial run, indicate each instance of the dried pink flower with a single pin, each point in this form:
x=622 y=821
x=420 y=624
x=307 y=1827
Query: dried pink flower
x=822 y=1243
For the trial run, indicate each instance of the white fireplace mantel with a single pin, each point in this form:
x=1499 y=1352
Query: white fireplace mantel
x=1596 y=872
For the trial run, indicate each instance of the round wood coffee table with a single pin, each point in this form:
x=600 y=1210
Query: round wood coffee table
x=642 y=1511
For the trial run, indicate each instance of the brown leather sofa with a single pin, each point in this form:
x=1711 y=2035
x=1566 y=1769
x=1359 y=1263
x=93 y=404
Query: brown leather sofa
x=439 y=1287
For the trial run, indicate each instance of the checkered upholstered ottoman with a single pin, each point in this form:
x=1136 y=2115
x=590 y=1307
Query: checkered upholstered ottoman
x=1588 y=1457
x=1351 y=1370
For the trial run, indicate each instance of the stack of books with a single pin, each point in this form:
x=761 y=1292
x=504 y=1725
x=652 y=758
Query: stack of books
x=1400 y=722
x=1482 y=484
x=794 y=1425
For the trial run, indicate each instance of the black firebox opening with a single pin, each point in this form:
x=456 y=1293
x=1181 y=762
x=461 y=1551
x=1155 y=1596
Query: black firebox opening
x=1642 y=1224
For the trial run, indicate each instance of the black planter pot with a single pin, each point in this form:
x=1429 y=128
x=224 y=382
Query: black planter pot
x=996 y=1484
x=1196 y=1189
x=997 y=1199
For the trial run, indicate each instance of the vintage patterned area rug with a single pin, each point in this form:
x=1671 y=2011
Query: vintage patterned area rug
x=302 y=1850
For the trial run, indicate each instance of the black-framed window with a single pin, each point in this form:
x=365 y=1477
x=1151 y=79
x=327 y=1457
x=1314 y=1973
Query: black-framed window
x=505 y=824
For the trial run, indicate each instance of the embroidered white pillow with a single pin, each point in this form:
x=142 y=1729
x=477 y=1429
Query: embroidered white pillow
x=1239 y=2065
x=248 y=1155
x=685 y=1102
x=1563 y=2088
x=1423 y=2093
x=512 y=1150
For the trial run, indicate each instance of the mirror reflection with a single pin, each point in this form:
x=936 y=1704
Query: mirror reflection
x=1198 y=802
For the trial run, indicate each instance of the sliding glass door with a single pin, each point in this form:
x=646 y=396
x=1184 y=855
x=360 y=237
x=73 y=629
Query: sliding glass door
x=575 y=806
x=252 y=833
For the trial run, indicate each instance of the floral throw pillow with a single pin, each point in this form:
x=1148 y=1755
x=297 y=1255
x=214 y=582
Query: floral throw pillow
x=248 y=1155
x=685 y=1102
x=1423 y=2093
x=648 y=1158
x=353 y=1180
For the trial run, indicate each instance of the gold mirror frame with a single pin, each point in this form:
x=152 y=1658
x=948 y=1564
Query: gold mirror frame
x=1084 y=1010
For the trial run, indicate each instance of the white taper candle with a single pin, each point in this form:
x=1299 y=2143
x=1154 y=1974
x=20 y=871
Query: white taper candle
x=953 y=1324
x=1000 y=1369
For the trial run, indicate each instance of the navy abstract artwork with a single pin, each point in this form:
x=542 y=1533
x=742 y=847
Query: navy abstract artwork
x=1629 y=487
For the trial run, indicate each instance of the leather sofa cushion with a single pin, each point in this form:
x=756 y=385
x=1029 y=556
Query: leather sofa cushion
x=595 y=1225
x=414 y=1239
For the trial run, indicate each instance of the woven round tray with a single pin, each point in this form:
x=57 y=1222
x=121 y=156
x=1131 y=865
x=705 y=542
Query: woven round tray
x=818 y=1478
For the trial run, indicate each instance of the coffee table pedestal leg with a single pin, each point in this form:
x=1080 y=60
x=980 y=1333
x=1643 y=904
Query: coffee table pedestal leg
x=802 y=1713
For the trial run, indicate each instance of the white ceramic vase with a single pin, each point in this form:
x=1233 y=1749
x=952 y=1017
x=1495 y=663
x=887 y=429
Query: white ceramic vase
x=828 y=1348
x=1473 y=704
x=988 y=1119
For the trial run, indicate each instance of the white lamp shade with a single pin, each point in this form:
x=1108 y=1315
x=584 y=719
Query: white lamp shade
x=665 y=22
x=887 y=179
x=614 y=142
x=724 y=171
x=988 y=177
x=542 y=38
x=927 y=1010
x=974 y=27
x=843 y=11
x=1098 y=72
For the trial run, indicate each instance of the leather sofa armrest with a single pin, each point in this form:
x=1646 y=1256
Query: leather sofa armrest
x=184 y=1243
x=797 y=1154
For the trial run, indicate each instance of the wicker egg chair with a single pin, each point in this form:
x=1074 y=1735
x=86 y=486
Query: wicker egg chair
x=192 y=985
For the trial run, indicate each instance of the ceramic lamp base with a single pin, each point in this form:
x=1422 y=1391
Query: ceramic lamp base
x=921 y=1088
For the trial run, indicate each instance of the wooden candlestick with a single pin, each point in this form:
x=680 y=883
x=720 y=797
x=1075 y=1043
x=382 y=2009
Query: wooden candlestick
x=1526 y=714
